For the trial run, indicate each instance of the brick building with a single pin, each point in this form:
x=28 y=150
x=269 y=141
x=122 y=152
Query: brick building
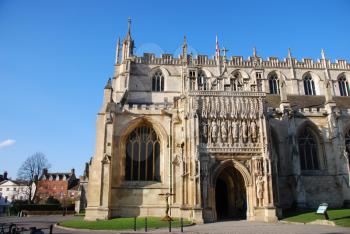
x=55 y=184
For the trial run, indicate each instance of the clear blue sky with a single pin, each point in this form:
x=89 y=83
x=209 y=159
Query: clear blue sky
x=55 y=57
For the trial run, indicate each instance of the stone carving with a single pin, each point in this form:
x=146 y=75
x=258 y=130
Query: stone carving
x=253 y=131
x=214 y=131
x=224 y=131
x=259 y=190
x=228 y=121
x=244 y=131
x=235 y=131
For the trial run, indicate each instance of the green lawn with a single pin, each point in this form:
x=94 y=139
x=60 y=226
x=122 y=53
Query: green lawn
x=341 y=217
x=120 y=223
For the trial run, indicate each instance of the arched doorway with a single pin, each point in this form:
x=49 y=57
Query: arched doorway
x=230 y=195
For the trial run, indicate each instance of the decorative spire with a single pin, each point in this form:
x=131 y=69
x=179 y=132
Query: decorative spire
x=289 y=53
x=128 y=43
x=323 y=54
x=129 y=28
x=109 y=84
x=184 y=51
x=254 y=51
x=117 y=54
x=217 y=50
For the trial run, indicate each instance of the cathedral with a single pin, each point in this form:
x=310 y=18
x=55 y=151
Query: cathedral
x=221 y=137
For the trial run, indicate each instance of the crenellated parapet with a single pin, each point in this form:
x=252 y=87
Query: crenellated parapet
x=239 y=61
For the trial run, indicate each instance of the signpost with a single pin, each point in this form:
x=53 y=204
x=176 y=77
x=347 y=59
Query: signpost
x=322 y=209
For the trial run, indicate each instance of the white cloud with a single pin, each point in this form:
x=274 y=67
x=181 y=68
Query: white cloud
x=6 y=143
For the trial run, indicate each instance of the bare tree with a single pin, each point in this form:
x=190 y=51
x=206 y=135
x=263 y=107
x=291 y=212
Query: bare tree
x=31 y=169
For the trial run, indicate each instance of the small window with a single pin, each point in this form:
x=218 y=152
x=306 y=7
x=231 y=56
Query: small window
x=0 y=189
x=235 y=81
x=274 y=84
x=7 y=189
x=202 y=81
x=343 y=86
x=258 y=75
x=158 y=82
x=309 y=85
x=14 y=189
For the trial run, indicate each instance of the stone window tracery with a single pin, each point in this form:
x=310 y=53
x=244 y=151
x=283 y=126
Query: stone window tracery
x=142 y=155
x=308 y=150
x=235 y=81
x=343 y=86
x=274 y=84
x=158 y=82
x=202 y=81
x=309 y=85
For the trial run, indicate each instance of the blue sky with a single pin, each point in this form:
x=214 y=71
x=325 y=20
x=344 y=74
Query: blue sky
x=55 y=57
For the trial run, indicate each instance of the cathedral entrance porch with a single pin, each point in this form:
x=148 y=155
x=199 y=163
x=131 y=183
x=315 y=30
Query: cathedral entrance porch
x=230 y=195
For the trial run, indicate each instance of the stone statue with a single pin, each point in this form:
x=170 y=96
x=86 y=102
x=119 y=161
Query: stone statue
x=253 y=131
x=259 y=190
x=224 y=131
x=214 y=131
x=244 y=131
x=204 y=126
x=235 y=131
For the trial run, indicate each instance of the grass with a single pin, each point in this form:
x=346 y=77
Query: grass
x=120 y=223
x=340 y=217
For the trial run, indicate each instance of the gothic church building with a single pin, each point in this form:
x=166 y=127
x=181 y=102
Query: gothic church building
x=226 y=137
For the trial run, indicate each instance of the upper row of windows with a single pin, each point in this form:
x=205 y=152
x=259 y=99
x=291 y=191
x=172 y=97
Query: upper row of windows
x=309 y=85
x=274 y=86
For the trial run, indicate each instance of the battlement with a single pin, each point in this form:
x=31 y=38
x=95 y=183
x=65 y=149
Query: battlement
x=239 y=61
x=143 y=107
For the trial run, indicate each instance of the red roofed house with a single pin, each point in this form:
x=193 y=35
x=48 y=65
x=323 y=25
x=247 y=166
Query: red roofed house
x=56 y=184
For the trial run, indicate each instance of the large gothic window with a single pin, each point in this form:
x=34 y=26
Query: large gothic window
x=274 y=84
x=202 y=81
x=347 y=145
x=309 y=85
x=343 y=86
x=308 y=150
x=142 y=155
x=158 y=82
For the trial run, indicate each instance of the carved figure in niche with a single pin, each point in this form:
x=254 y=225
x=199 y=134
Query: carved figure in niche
x=253 y=131
x=259 y=190
x=229 y=131
x=235 y=131
x=204 y=127
x=244 y=131
x=214 y=131
x=224 y=131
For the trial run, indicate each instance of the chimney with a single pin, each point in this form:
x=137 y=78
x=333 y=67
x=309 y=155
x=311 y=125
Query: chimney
x=73 y=171
x=35 y=178
x=5 y=175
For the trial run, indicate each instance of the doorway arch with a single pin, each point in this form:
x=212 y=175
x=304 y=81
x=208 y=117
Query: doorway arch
x=230 y=194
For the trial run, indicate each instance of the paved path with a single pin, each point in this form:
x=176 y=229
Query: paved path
x=219 y=227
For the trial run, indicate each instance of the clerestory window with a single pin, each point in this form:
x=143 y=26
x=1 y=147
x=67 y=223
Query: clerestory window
x=158 y=82
x=309 y=85
x=274 y=84
x=343 y=86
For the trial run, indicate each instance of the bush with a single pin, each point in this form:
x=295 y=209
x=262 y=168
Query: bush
x=52 y=201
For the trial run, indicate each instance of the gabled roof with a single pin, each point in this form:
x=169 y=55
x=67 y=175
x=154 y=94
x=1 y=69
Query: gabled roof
x=15 y=182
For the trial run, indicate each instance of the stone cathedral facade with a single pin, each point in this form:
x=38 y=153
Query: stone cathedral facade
x=226 y=137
